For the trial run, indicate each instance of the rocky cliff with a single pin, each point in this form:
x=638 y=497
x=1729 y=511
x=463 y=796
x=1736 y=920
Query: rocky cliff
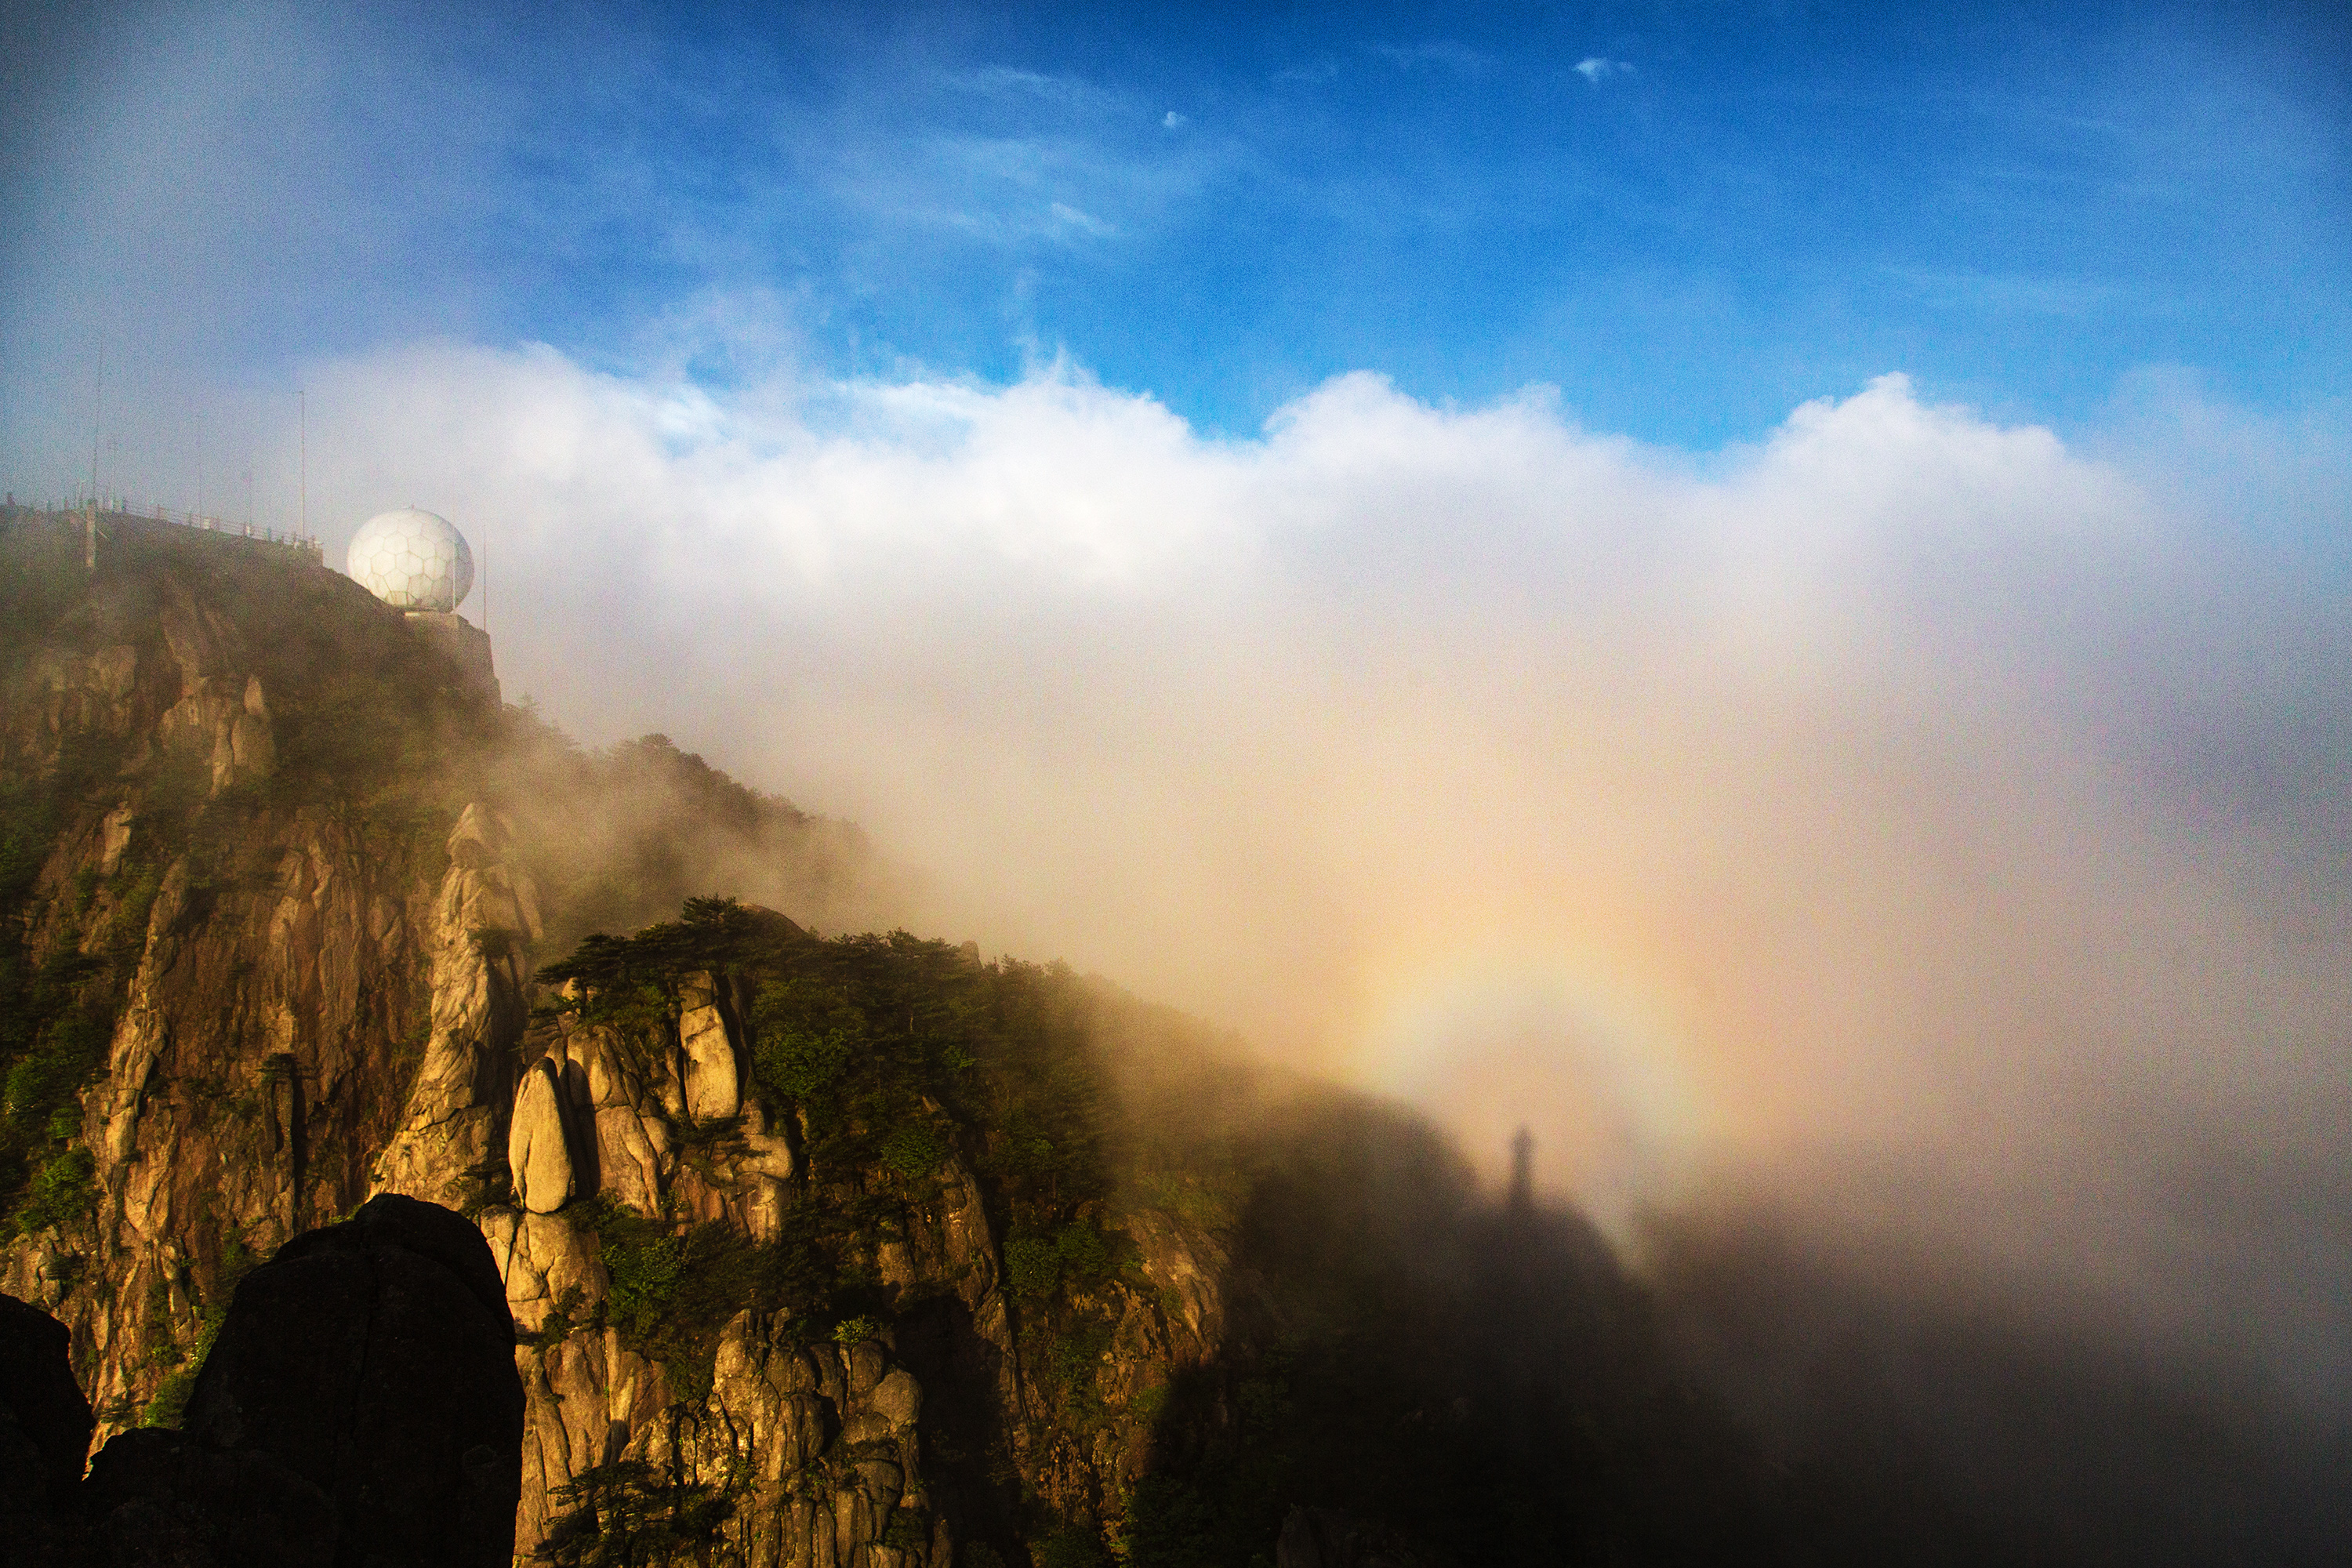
x=242 y=921
x=271 y=937
x=835 y=1218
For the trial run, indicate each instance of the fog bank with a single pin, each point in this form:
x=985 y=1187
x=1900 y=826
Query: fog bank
x=1930 y=826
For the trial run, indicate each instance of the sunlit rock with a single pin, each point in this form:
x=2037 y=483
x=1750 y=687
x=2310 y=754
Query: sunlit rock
x=713 y=1086
x=543 y=1261
x=539 y=1155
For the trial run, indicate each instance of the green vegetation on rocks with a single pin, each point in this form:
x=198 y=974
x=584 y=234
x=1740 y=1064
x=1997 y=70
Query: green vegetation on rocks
x=628 y=1514
x=675 y=1286
x=58 y=1006
x=896 y=1050
x=900 y=1059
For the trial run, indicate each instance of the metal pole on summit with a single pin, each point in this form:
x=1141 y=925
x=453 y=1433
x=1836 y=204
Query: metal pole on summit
x=97 y=420
x=304 y=394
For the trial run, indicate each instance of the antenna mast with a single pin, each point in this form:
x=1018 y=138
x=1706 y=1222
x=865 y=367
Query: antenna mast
x=97 y=421
x=304 y=394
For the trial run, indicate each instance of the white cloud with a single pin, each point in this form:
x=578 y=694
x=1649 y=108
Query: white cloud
x=1071 y=217
x=1819 y=786
x=1596 y=69
x=1174 y=121
x=1009 y=81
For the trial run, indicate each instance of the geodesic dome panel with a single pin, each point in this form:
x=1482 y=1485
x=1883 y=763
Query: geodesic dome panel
x=412 y=560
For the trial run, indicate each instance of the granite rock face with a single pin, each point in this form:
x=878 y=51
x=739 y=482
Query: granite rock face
x=317 y=1002
x=869 y=1449
x=485 y=916
x=539 y=1144
x=713 y=1086
x=264 y=1076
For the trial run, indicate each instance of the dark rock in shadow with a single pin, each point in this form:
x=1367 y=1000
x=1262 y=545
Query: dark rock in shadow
x=44 y=1421
x=374 y=1360
x=164 y=1499
x=360 y=1409
x=1326 y=1537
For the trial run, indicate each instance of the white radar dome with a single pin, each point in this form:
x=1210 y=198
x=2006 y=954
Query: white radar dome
x=412 y=560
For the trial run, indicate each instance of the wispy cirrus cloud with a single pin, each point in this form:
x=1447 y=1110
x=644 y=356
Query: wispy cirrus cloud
x=1041 y=87
x=1009 y=191
x=1071 y=217
x=1597 y=68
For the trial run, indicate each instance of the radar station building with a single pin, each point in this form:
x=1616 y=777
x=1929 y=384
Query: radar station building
x=417 y=561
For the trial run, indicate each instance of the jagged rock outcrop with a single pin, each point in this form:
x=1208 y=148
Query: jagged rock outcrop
x=819 y=1443
x=819 y=1439
x=484 y=921
x=260 y=1057
x=543 y=1261
x=630 y=1102
x=825 y=1433
x=222 y=717
x=709 y=1066
x=271 y=927
x=829 y=1435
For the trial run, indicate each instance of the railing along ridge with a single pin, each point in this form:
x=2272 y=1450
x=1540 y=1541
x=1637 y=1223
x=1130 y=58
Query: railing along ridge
x=189 y=517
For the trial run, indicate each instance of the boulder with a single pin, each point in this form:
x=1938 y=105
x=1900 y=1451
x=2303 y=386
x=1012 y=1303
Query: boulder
x=539 y=1151
x=897 y=1398
x=374 y=1360
x=714 y=1089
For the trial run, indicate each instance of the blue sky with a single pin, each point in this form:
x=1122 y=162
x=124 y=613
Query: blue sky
x=1728 y=210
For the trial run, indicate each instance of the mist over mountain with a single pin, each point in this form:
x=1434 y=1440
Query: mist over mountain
x=1040 y=1271
x=1910 y=804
